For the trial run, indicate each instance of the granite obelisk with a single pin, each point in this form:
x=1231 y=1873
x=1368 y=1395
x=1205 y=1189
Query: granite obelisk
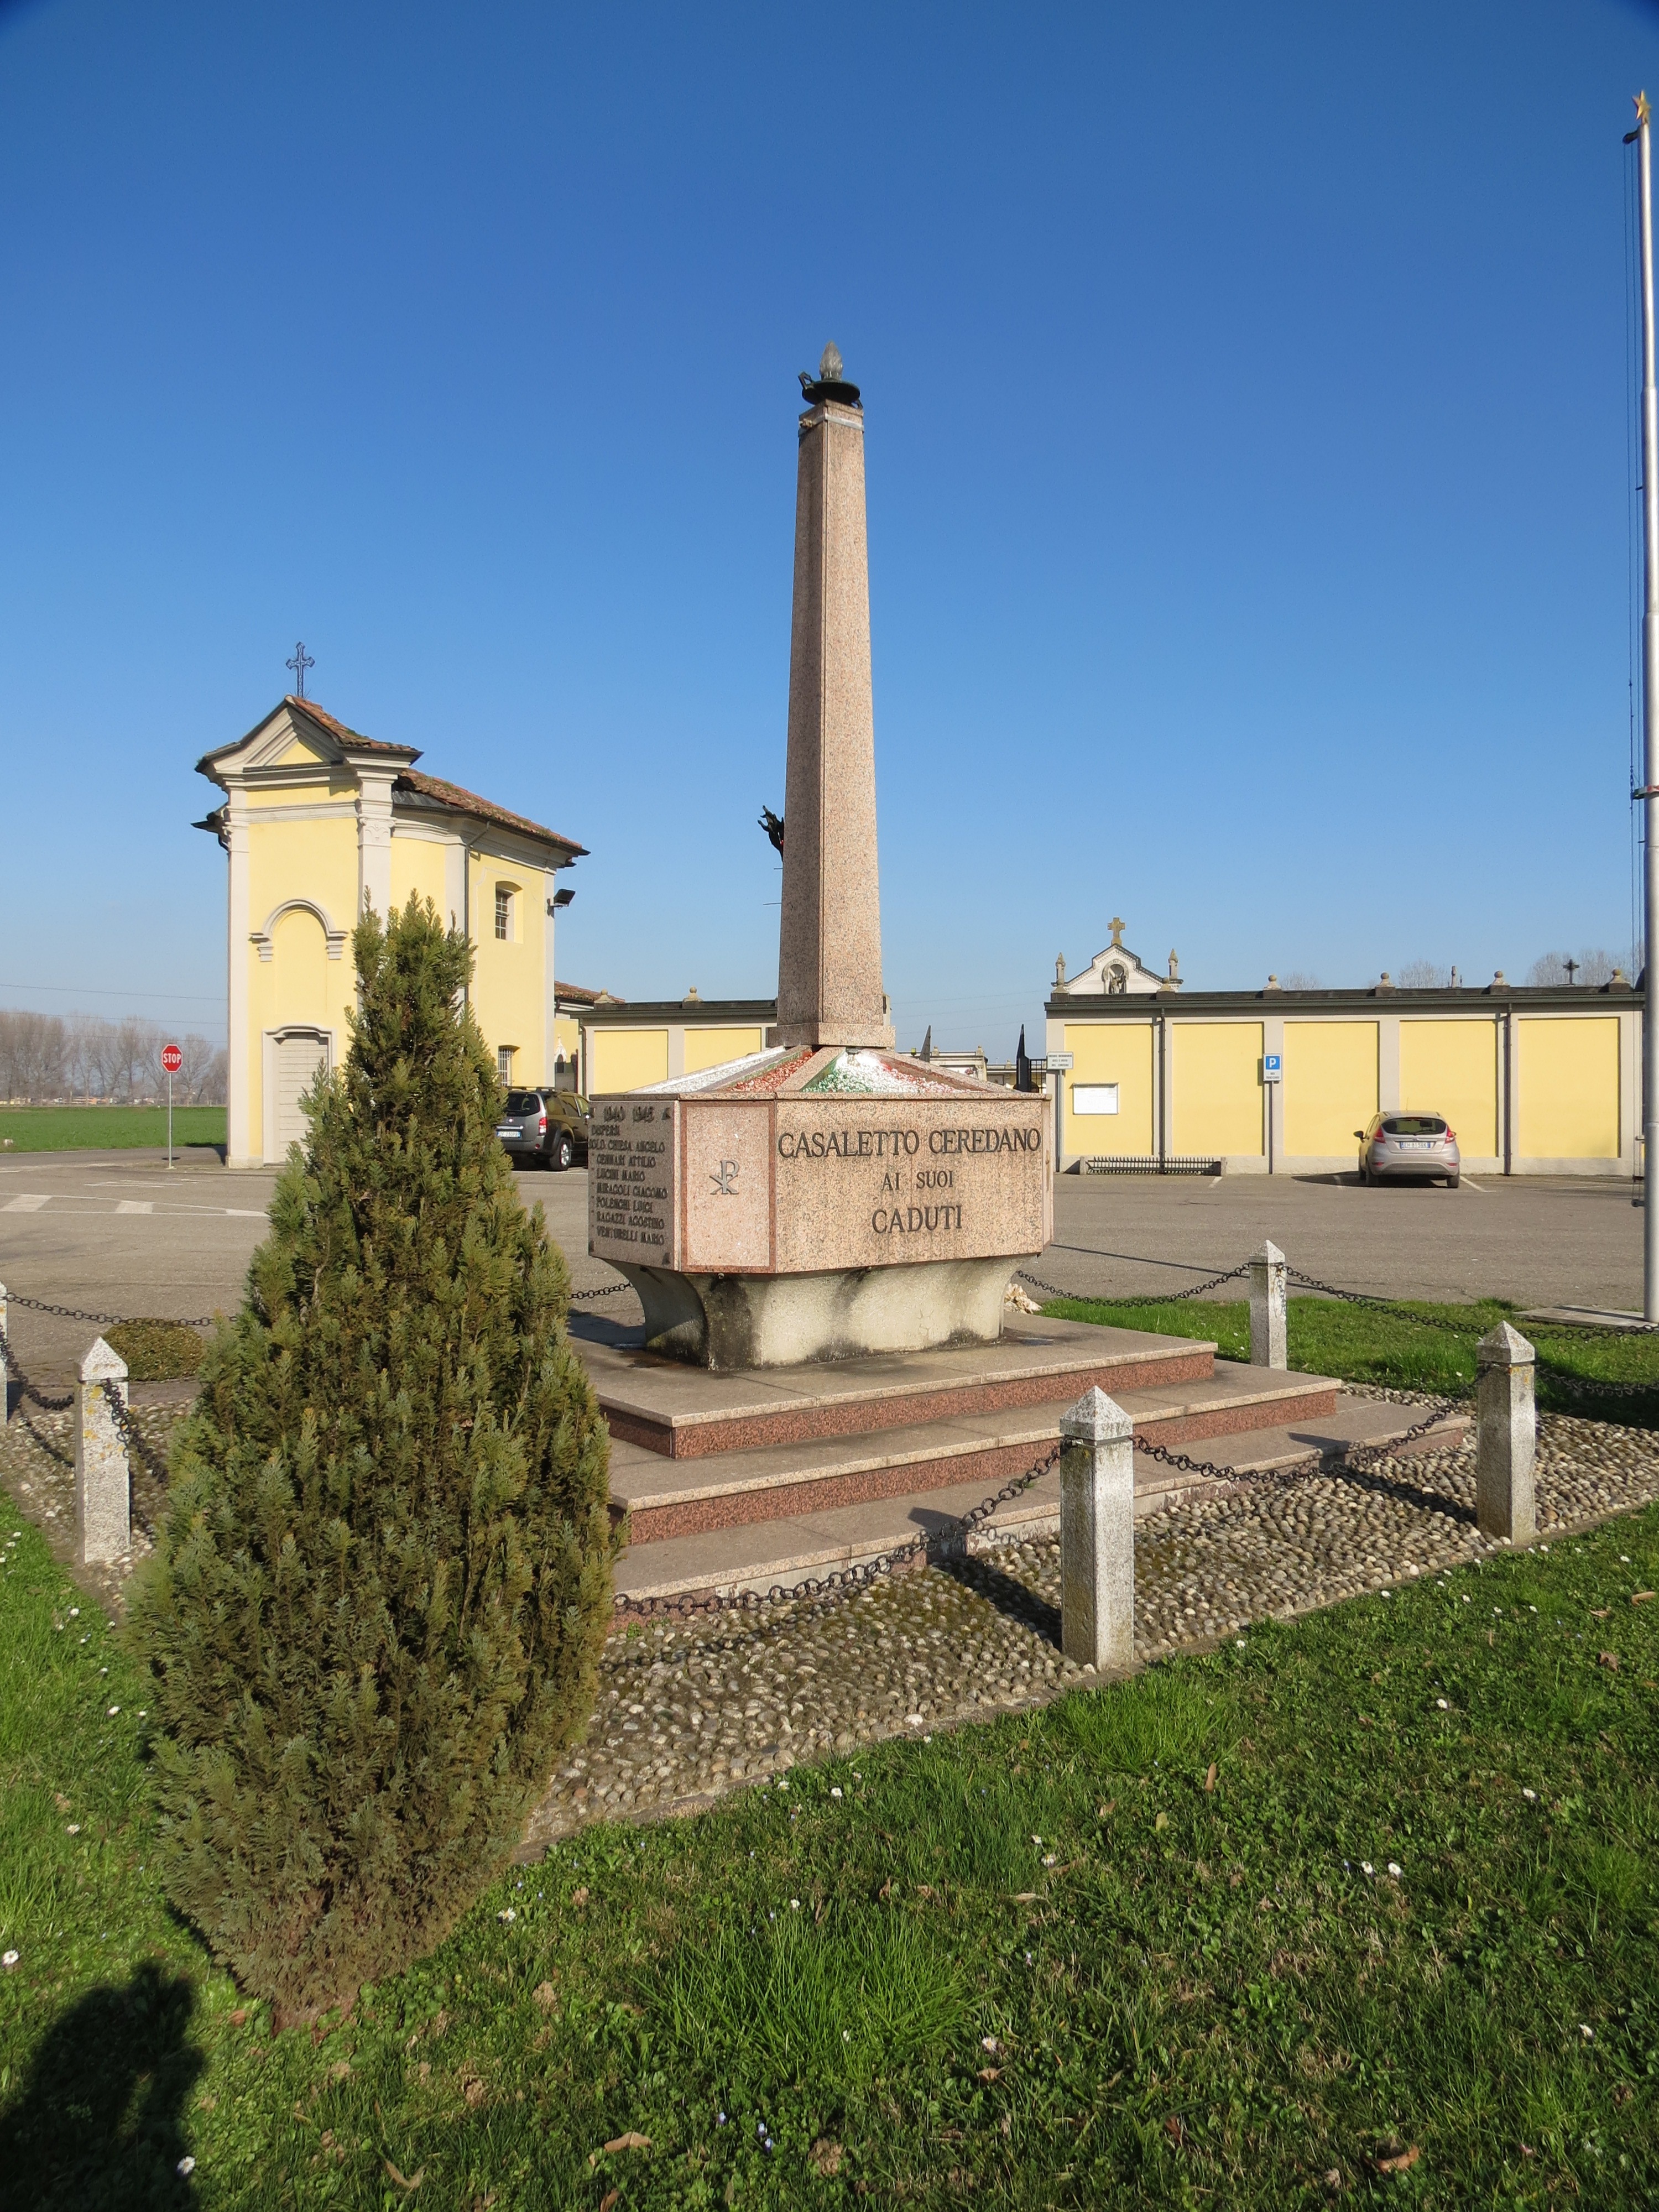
x=830 y=938
x=826 y=1197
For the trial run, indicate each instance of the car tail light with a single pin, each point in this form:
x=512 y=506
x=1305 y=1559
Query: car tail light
x=541 y=1125
x=1450 y=1137
x=1379 y=1140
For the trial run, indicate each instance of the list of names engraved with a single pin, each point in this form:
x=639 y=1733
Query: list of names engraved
x=631 y=1189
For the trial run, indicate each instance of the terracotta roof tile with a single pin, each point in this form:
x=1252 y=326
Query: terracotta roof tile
x=352 y=738
x=588 y=997
x=453 y=795
x=462 y=801
x=355 y=738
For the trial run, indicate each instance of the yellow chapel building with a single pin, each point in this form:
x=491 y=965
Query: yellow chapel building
x=319 y=821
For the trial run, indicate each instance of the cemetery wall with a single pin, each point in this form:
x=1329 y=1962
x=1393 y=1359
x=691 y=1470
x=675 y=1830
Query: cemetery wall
x=1535 y=1080
x=624 y=1045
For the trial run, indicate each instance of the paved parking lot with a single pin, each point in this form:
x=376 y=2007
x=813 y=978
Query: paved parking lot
x=116 y=1233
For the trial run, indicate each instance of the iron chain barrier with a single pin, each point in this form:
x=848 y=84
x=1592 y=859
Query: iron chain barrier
x=75 y=1313
x=938 y=1542
x=1172 y=1299
x=30 y=1390
x=1559 y=1378
x=845 y=1580
x=1355 y=1457
x=139 y=1446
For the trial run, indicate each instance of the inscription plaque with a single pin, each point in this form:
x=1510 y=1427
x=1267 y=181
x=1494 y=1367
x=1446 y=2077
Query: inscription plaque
x=796 y=1186
x=631 y=1158
x=872 y=1183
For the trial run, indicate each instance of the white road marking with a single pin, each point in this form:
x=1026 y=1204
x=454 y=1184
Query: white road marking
x=102 y=1209
x=1468 y=1183
x=1216 y=1182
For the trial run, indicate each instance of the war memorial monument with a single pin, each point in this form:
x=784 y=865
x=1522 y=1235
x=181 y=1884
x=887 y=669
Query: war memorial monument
x=822 y=1234
x=828 y=1197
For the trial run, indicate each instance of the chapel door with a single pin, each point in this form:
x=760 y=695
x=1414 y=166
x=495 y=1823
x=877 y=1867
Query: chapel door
x=298 y=1060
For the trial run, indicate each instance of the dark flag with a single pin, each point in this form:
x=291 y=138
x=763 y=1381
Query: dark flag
x=1022 y=1064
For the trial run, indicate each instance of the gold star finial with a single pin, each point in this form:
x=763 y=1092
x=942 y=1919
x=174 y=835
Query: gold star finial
x=1643 y=111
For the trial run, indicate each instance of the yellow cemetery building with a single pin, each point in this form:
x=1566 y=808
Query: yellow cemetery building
x=1535 y=1079
x=319 y=823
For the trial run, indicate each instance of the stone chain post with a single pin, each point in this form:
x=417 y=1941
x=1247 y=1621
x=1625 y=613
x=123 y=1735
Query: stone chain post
x=1267 y=1344
x=1507 y=1437
x=103 y=1522
x=1098 y=1533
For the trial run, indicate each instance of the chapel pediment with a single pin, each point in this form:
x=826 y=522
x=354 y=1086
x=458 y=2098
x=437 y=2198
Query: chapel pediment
x=297 y=734
x=1116 y=972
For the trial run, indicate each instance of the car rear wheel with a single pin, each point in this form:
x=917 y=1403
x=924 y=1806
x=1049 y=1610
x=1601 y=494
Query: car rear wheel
x=1452 y=1182
x=563 y=1152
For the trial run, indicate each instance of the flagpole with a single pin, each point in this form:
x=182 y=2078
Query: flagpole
x=1648 y=794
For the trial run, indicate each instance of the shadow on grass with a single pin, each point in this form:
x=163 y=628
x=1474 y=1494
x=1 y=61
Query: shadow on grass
x=99 y=2122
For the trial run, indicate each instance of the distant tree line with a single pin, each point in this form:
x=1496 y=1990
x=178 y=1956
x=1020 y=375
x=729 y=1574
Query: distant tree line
x=52 y=1058
x=1593 y=965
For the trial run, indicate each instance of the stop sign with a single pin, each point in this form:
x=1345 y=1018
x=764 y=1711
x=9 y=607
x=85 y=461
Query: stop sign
x=172 y=1059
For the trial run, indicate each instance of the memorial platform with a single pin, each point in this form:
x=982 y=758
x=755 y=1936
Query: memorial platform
x=749 y=1480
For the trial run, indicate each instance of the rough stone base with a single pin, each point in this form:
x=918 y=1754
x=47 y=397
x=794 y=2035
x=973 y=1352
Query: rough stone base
x=729 y=1322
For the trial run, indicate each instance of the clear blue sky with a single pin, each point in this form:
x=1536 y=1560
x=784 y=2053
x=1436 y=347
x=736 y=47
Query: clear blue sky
x=1248 y=463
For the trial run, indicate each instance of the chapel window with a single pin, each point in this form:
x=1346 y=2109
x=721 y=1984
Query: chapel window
x=504 y=1061
x=503 y=911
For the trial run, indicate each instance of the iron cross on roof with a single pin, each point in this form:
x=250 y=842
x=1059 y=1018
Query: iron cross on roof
x=301 y=662
x=1117 y=930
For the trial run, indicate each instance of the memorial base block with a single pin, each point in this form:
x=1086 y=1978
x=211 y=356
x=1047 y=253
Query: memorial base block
x=733 y=1322
x=817 y=1203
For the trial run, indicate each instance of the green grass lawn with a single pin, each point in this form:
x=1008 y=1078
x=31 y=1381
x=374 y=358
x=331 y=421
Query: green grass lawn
x=1361 y=1345
x=1037 y=1962
x=108 y=1128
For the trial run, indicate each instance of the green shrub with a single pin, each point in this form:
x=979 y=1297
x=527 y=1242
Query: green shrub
x=374 y=1614
x=156 y=1350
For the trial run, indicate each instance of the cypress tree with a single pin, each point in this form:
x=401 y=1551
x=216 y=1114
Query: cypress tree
x=375 y=1609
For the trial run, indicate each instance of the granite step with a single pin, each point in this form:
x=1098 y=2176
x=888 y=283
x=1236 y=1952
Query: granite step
x=668 y=1498
x=682 y=1413
x=760 y=1555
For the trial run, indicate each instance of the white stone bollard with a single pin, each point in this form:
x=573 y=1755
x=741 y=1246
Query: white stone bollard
x=5 y=1371
x=1507 y=1437
x=1267 y=1346
x=103 y=1522
x=1098 y=1533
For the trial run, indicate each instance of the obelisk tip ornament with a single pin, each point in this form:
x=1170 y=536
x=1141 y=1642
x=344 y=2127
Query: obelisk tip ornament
x=830 y=938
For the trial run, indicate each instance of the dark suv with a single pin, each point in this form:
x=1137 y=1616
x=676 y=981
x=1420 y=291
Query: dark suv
x=544 y=1129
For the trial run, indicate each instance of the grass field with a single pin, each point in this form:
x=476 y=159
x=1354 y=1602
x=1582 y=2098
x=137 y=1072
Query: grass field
x=1405 y=1939
x=1361 y=1345
x=108 y=1128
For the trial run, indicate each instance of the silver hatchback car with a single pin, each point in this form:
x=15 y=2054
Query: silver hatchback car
x=1393 y=1146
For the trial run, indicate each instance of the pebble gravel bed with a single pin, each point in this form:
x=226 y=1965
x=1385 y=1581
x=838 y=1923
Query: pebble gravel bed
x=689 y=1709
x=37 y=1469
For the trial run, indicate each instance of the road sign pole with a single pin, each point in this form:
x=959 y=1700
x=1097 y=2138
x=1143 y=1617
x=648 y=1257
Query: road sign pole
x=1648 y=794
x=172 y=1059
